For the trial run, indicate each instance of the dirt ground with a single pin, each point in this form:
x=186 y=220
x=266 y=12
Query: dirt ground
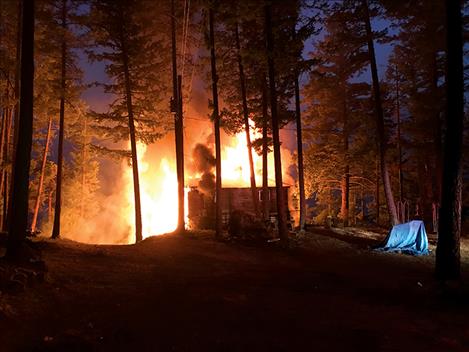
x=192 y=293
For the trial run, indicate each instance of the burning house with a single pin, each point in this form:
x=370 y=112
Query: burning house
x=236 y=195
x=201 y=207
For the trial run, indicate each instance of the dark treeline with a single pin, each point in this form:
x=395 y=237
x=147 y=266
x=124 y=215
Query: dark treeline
x=379 y=142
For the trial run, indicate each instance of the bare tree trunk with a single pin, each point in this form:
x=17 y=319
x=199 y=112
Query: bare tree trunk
x=180 y=161
x=7 y=197
x=345 y=184
x=133 y=138
x=299 y=141
x=6 y=160
x=345 y=201
x=18 y=224
x=83 y=167
x=265 y=154
x=58 y=189
x=2 y=154
x=379 y=120
x=377 y=190
x=49 y=206
x=399 y=142
x=242 y=80
x=216 y=119
x=41 y=178
x=281 y=201
x=178 y=126
x=449 y=227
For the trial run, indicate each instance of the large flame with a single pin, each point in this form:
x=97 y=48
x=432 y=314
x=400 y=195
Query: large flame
x=158 y=182
x=158 y=195
x=235 y=162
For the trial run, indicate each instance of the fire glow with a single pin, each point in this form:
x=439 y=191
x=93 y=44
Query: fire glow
x=158 y=184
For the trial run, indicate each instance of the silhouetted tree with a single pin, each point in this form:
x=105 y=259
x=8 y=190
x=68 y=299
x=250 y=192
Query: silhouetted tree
x=19 y=202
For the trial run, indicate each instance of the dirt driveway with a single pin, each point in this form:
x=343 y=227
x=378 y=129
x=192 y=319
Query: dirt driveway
x=175 y=293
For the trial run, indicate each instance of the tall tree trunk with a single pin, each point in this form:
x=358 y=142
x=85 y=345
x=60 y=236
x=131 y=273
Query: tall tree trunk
x=49 y=206
x=242 y=81
x=63 y=86
x=133 y=138
x=83 y=166
x=437 y=147
x=16 y=117
x=180 y=160
x=41 y=178
x=178 y=125
x=379 y=115
x=265 y=154
x=345 y=184
x=2 y=154
x=449 y=227
x=216 y=119
x=299 y=141
x=377 y=200
x=18 y=224
x=280 y=191
x=6 y=159
x=399 y=142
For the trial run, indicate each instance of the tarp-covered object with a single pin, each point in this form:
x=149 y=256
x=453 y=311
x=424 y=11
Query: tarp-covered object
x=409 y=238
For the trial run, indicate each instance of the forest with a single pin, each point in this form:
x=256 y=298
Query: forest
x=173 y=144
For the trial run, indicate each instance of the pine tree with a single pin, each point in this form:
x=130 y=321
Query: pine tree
x=449 y=229
x=382 y=138
x=281 y=211
x=10 y=27
x=338 y=112
x=19 y=199
x=127 y=39
x=418 y=57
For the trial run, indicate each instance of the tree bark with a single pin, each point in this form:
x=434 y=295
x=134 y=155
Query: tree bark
x=377 y=190
x=216 y=119
x=49 y=206
x=299 y=141
x=63 y=86
x=6 y=159
x=379 y=115
x=83 y=167
x=242 y=81
x=178 y=125
x=132 y=135
x=41 y=178
x=399 y=142
x=18 y=224
x=345 y=183
x=265 y=154
x=16 y=117
x=3 y=146
x=180 y=160
x=280 y=192
x=449 y=227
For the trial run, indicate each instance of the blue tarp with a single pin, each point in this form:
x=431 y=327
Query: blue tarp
x=409 y=238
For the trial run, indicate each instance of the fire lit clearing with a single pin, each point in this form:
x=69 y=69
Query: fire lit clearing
x=158 y=187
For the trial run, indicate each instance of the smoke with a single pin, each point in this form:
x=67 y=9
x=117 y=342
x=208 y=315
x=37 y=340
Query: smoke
x=203 y=163
x=203 y=158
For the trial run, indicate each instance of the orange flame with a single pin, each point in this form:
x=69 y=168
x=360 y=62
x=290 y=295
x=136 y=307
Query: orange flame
x=158 y=188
